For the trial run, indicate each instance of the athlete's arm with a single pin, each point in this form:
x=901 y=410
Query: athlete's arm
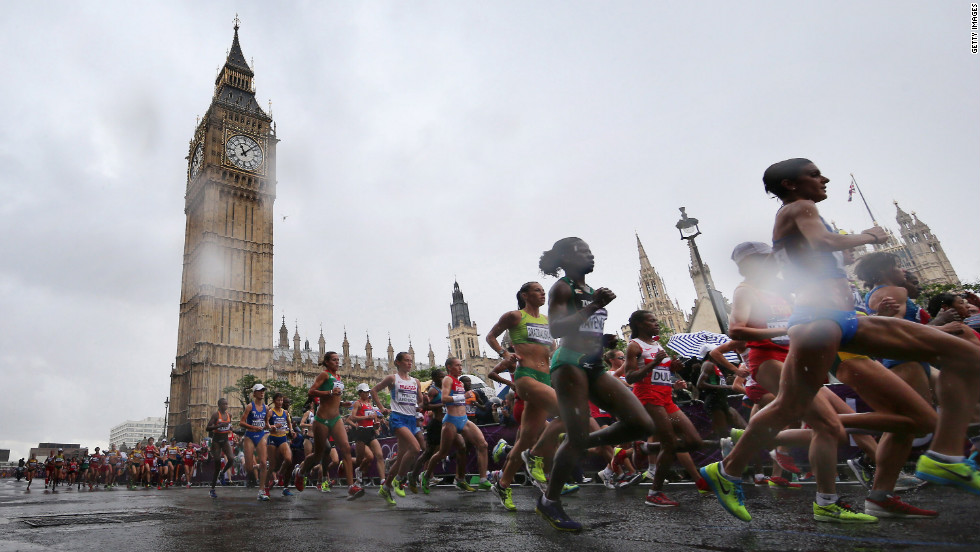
x=314 y=388
x=738 y=321
x=244 y=421
x=805 y=216
x=508 y=364
x=212 y=423
x=433 y=406
x=506 y=322
x=633 y=372
x=706 y=370
x=560 y=322
x=387 y=381
x=898 y=294
x=718 y=357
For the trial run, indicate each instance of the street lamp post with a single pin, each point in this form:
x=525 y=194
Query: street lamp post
x=166 y=416
x=688 y=227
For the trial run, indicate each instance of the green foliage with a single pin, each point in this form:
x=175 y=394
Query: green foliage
x=296 y=394
x=665 y=333
x=242 y=389
x=422 y=374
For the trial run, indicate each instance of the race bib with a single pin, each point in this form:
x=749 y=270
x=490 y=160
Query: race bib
x=539 y=333
x=660 y=376
x=595 y=323
x=407 y=397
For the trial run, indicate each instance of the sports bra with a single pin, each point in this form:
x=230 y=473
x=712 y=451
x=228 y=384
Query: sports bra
x=580 y=299
x=531 y=329
x=801 y=263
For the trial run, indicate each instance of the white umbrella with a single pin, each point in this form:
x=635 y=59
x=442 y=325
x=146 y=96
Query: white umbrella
x=689 y=344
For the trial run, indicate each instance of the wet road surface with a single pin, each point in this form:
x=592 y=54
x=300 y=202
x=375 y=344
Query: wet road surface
x=188 y=520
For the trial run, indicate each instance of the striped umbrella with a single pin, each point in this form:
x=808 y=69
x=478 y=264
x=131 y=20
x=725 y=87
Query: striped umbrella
x=689 y=344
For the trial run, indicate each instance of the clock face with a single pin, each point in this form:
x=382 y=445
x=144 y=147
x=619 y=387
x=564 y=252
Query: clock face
x=244 y=152
x=197 y=161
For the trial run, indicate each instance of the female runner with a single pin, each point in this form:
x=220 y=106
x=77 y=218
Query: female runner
x=256 y=437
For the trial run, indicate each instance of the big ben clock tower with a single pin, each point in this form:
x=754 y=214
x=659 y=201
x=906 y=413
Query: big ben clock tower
x=225 y=328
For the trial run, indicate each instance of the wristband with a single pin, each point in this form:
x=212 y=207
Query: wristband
x=874 y=237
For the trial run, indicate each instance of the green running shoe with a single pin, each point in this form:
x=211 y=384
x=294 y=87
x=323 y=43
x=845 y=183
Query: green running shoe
x=398 y=486
x=569 y=489
x=385 y=493
x=325 y=487
x=961 y=474
x=498 y=450
x=464 y=486
x=413 y=484
x=736 y=434
x=424 y=482
x=484 y=486
x=534 y=465
x=505 y=495
x=729 y=493
x=840 y=512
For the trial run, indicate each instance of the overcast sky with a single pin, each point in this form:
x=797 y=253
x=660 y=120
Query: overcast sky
x=427 y=141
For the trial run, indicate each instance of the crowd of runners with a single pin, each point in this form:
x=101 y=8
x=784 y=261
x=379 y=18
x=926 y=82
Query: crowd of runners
x=796 y=321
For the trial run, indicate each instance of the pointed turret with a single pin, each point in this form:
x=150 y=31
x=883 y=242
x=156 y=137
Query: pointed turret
x=296 y=353
x=368 y=353
x=234 y=85
x=322 y=343
x=391 y=353
x=346 y=349
x=644 y=261
x=432 y=357
x=283 y=335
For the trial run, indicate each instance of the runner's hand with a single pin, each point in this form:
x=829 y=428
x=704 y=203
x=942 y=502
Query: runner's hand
x=602 y=297
x=888 y=307
x=878 y=233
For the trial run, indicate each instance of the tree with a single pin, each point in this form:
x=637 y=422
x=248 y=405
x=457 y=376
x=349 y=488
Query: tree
x=297 y=395
x=242 y=389
x=931 y=290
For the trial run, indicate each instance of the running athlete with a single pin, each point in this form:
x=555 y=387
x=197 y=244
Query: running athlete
x=823 y=322
x=219 y=426
x=32 y=467
x=455 y=423
x=95 y=463
x=433 y=434
x=648 y=369
x=364 y=416
x=187 y=457
x=406 y=396
x=150 y=468
x=256 y=437
x=135 y=466
x=59 y=469
x=531 y=338
x=49 y=469
x=280 y=425
x=577 y=315
x=328 y=388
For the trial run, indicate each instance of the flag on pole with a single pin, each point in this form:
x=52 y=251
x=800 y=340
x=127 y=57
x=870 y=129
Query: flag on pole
x=850 y=192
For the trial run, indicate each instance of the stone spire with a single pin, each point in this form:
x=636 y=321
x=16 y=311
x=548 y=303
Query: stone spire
x=391 y=353
x=322 y=342
x=432 y=357
x=368 y=353
x=296 y=354
x=346 y=349
x=283 y=335
x=654 y=296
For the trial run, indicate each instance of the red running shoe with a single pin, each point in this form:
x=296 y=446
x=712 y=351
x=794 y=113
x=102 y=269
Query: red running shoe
x=354 y=491
x=659 y=499
x=776 y=481
x=785 y=461
x=703 y=488
x=298 y=481
x=893 y=507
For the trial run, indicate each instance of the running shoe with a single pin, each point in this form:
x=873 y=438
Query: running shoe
x=782 y=483
x=760 y=479
x=494 y=476
x=325 y=487
x=569 y=488
x=285 y=492
x=298 y=480
x=357 y=476
x=534 y=465
x=505 y=495
x=961 y=474
x=729 y=493
x=498 y=450
x=484 y=485
x=214 y=494
x=703 y=488
x=263 y=496
x=726 y=446
x=424 y=482
x=908 y=482
x=398 y=487
x=631 y=479
x=659 y=499
x=840 y=512
x=608 y=478
x=556 y=516
x=784 y=460
x=413 y=484
x=464 y=486
x=158 y=487
x=188 y=486
x=650 y=474
x=808 y=476
x=864 y=473
x=354 y=491
x=736 y=434
x=893 y=507
x=385 y=493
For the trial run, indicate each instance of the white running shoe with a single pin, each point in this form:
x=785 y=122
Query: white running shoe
x=608 y=478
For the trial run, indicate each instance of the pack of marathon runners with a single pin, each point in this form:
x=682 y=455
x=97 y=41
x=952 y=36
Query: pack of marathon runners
x=796 y=320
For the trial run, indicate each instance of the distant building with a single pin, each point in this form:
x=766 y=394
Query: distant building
x=464 y=339
x=653 y=293
x=134 y=431
x=918 y=250
x=70 y=450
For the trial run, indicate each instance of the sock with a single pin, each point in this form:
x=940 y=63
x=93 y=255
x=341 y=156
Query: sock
x=878 y=496
x=945 y=459
x=483 y=480
x=546 y=502
x=824 y=499
x=721 y=470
